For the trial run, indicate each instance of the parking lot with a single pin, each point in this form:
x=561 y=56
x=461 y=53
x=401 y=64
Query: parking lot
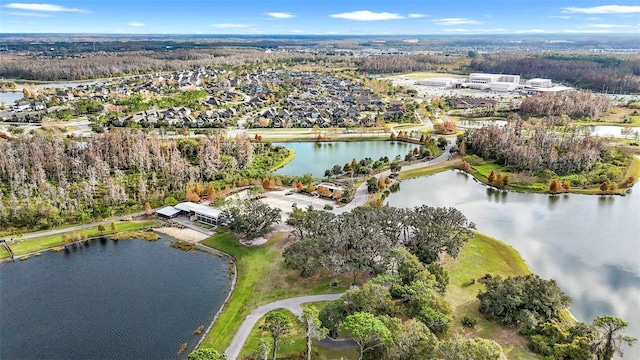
x=278 y=199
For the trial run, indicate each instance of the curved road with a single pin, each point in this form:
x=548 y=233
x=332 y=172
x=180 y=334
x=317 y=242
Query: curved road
x=292 y=304
x=362 y=195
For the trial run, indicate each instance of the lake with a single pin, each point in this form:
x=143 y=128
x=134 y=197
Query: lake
x=589 y=244
x=612 y=131
x=127 y=299
x=315 y=158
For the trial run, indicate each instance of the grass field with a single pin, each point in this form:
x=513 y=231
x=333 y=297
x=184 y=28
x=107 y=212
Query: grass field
x=27 y=246
x=262 y=278
x=480 y=256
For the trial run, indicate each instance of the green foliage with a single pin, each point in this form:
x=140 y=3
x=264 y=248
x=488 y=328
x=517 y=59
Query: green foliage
x=278 y=325
x=522 y=299
x=205 y=354
x=331 y=316
x=367 y=330
x=459 y=348
x=609 y=340
x=251 y=218
x=468 y=321
x=170 y=201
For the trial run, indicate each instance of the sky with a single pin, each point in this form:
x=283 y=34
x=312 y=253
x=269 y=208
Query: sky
x=321 y=17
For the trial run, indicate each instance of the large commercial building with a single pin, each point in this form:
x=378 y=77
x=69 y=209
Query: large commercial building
x=493 y=82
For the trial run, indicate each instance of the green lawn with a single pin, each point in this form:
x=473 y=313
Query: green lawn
x=46 y=242
x=480 y=256
x=262 y=278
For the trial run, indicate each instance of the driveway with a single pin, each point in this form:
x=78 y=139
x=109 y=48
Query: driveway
x=292 y=304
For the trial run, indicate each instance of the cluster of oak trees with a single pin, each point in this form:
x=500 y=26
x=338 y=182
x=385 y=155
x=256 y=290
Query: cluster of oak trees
x=536 y=149
x=357 y=242
x=599 y=73
x=575 y=104
x=385 y=64
x=47 y=180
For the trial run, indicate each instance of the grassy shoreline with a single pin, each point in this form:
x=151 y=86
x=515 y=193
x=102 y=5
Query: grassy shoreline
x=259 y=269
x=48 y=242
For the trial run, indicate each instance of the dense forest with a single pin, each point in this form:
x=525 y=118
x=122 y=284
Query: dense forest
x=536 y=148
x=46 y=180
x=100 y=65
x=599 y=73
x=575 y=104
x=387 y=64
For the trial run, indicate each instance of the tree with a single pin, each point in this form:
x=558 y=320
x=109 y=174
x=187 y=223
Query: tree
x=252 y=218
x=114 y=227
x=205 y=354
x=438 y=230
x=394 y=167
x=367 y=331
x=411 y=340
x=148 y=210
x=312 y=327
x=492 y=177
x=609 y=341
x=555 y=186
x=101 y=228
x=278 y=325
x=459 y=348
x=522 y=299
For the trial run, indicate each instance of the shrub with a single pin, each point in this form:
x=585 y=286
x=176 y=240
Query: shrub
x=468 y=321
x=328 y=207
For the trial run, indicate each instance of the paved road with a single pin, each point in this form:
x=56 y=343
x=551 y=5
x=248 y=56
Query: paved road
x=362 y=195
x=71 y=228
x=292 y=304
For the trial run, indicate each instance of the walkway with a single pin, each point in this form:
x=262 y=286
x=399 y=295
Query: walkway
x=71 y=228
x=292 y=304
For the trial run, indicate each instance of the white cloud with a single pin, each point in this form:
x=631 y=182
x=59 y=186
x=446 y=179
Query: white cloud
x=560 y=17
x=229 y=26
x=366 y=15
x=458 y=30
x=42 y=7
x=456 y=21
x=20 y=13
x=135 y=24
x=605 y=9
x=281 y=15
x=607 y=26
x=590 y=31
x=414 y=16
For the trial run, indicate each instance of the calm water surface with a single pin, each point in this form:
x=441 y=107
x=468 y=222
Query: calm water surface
x=589 y=244
x=130 y=299
x=315 y=158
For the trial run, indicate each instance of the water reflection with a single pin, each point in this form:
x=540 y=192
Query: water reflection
x=589 y=244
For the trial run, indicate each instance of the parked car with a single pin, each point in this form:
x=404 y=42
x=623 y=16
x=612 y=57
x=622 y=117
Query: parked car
x=294 y=205
x=289 y=193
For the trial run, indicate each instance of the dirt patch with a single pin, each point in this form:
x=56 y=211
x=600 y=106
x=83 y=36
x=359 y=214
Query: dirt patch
x=186 y=234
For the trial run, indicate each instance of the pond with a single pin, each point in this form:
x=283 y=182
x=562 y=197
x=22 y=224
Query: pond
x=476 y=124
x=127 y=299
x=315 y=158
x=589 y=244
x=613 y=131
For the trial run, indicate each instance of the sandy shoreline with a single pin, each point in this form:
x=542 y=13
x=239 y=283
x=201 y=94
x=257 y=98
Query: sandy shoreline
x=186 y=234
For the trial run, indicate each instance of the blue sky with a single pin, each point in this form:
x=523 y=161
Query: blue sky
x=356 y=17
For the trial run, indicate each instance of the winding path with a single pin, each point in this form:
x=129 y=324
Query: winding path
x=292 y=304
